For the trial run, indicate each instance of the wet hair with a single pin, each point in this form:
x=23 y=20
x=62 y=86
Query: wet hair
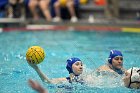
x=70 y=62
x=114 y=53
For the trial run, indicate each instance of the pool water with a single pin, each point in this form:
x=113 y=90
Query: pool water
x=90 y=46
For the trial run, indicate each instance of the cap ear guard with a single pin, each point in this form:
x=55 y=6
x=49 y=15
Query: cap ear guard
x=109 y=60
x=69 y=69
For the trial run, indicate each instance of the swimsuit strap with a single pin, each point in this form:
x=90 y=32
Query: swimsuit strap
x=68 y=78
x=75 y=79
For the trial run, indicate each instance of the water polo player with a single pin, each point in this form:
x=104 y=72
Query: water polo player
x=114 y=64
x=74 y=67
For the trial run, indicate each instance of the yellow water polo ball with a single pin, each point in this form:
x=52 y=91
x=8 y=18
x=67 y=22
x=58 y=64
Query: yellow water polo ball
x=35 y=54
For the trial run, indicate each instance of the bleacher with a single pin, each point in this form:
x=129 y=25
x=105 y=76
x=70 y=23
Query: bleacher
x=129 y=11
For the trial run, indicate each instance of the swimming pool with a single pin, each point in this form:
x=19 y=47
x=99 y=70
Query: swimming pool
x=91 y=46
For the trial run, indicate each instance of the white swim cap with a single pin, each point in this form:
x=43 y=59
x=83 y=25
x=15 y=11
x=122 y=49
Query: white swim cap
x=135 y=74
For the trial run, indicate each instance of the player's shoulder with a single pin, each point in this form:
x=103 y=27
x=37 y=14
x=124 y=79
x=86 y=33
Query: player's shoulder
x=104 y=68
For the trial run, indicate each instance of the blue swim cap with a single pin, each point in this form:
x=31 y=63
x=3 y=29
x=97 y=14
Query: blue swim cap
x=70 y=62
x=114 y=53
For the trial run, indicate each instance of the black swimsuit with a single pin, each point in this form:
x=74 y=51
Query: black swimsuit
x=75 y=79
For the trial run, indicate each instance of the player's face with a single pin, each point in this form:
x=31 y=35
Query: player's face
x=77 y=68
x=117 y=62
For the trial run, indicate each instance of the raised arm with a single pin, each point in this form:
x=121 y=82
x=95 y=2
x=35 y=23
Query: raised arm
x=43 y=77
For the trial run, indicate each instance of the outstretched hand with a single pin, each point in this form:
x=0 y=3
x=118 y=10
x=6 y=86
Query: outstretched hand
x=33 y=65
x=36 y=86
x=126 y=79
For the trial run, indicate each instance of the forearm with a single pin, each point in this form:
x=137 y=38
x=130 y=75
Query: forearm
x=43 y=77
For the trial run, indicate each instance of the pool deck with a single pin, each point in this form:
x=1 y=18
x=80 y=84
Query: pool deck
x=82 y=25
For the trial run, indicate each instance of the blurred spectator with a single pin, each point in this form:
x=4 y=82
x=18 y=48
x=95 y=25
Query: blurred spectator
x=112 y=9
x=3 y=4
x=43 y=5
x=70 y=4
x=16 y=8
x=83 y=2
x=99 y=2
